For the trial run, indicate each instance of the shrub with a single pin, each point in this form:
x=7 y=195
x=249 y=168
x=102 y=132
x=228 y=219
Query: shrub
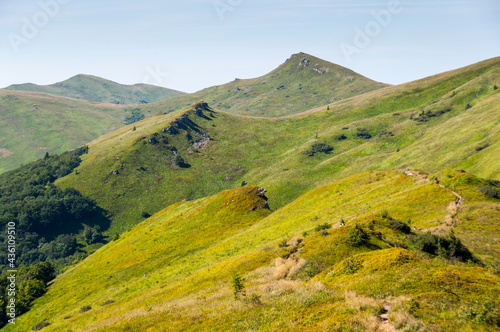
x=283 y=244
x=91 y=234
x=363 y=133
x=108 y=302
x=413 y=306
x=426 y=242
x=400 y=226
x=341 y=137
x=29 y=290
x=490 y=191
x=384 y=214
x=324 y=233
x=322 y=227
x=44 y=272
x=145 y=214
x=357 y=236
x=85 y=308
x=39 y=326
x=237 y=284
x=446 y=247
x=468 y=106
x=481 y=147
x=318 y=148
x=481 y=312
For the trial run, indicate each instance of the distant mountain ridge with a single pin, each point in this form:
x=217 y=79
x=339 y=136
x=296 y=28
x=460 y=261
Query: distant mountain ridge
x=302 y=82
x=96 y=89
x=200 y=151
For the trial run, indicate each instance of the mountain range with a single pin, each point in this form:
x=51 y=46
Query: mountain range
x=37 y=118
x=311 y=198
x=96 y=89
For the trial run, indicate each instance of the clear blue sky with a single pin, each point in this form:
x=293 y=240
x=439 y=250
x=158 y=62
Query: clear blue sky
x=190 y=44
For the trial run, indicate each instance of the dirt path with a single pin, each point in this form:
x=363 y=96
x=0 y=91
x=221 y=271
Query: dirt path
x=384 y=318
x=454 y=207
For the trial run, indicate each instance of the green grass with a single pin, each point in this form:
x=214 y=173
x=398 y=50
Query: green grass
x=173 y=270
x=270 y=152
x=35 y=123
x=99 y=90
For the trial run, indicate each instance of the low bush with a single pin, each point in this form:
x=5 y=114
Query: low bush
x=39 y=326
x=322 y=227
x=363 y=133
x=341 y=137
x=481 y=312
x=400 y=226
x=490 y=191
x=481 y=147
x=357 y=236
x=85 y=308
x=447 y=247
x=319 y=148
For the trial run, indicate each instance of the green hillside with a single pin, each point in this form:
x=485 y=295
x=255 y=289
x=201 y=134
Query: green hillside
x=301 y=270
x=100 y=90
x=445 y=121
x=33 y=124
x=299 y=84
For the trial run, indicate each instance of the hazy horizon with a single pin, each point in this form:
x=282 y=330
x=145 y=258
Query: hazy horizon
x=195 y=44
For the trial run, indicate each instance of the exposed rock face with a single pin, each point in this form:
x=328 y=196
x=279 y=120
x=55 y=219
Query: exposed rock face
x=262 y=193
x=202 y=143
x=198 y=111
x=171 y=130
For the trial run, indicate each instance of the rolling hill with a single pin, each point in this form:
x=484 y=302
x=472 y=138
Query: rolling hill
x=300 y=269
x=33 y=124
x=299 y=84
x=96 y=89
x=445 y=121
x=380 y=213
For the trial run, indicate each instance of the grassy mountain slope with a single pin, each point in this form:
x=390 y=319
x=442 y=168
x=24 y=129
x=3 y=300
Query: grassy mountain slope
x=408 y=126
x=173 y=271
x=299 y=84
x=35 y=123
x=100 y=90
